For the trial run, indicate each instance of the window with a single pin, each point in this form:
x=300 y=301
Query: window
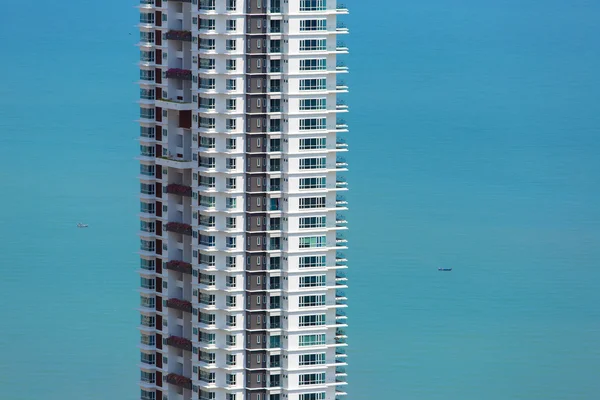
x=209 y=260
x=231 y=301
x=207 y=142
x=231 y=26
x=313 y=123
x=313 y=84
x=312 y=320
x=147 y=18
x=230 y=242
x=231 y=379
x=313 y=104
x=313 y=25
x=208 y=123
x=230 y=202
x=206 y=318
x=206 y=83
x=313 y=5
x=206 y=181
x=230 y=144
x=148 y=321
x=312 y=281
x=146 y=75
x=311 y=242
x=208 y=338
x=311 y=340
x=312 y=359
x=231 y=6
x=206 y=220
x=230 y=45
x=149 y=377
x=230 y=183
x=312 y=396
x=231 y=340
x=205 y=376
x=206 y=299
x=207 y=201
x=313 y=44
x=231 y=320
x=207 y=162
x=206 y=357
x=207 y=44
x=231 y=359
x=208 y=5
x=231 y=84
x=146 y=245
x=230 y=222
x=203 y=395
x=311 y=379
x=230 y=163
x=230 y=281
x=148 y=208
x=312 y=163
x=312 y=202
x=312 y=301
x=231 y=104
x=207 y=24
x=230 y=124
x=147 y=395
x=230 y=64
x=207 y=103
x=207 y=63
x=312 y=222
x=312 y=183
x=206 y=240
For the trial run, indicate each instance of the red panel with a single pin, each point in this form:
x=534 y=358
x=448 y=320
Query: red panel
x=158 y=18
x=158 y=115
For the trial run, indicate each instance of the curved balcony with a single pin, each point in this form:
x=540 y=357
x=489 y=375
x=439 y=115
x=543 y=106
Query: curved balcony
x=179 y=266
x=178 y=73
x=184 y=36
x=179 y=227
x=180 y=305
x=180 y=343
x=179 y=380
x=181 y=190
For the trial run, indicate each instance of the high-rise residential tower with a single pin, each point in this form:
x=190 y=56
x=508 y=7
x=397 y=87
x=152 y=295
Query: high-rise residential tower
x=242 y=246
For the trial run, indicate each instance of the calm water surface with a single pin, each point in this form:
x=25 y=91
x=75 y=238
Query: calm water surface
x=474 y=144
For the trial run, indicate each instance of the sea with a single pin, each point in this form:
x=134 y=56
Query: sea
x=474 y=142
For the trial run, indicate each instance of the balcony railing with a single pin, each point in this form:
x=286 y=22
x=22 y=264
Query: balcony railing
x=179 y=380
x=179 y=227
x=180 y=190
x=178 y=73
x=180 y=305
x=185 y=36
x=180 y=343
x=179 y=266
x=275 y=227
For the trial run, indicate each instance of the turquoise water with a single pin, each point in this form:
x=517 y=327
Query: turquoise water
x=474 y=144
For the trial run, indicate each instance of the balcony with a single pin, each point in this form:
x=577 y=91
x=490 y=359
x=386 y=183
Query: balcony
x=179 y=227
x=181 y=190
x=179 y=380
x=341 y=124
x=275 y=227
x=184 y=36
x=178 y=73
x=172 y=161
x=180 y=343
x=341 y=8
x=180 y=305
x=179 y=266
x=275 y=49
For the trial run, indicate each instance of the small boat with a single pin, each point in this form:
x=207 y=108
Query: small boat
x=80 y=225
x=444 y=269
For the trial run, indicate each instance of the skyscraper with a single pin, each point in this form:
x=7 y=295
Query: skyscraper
x=242 y=263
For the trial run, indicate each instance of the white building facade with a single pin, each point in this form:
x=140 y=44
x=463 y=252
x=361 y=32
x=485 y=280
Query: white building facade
x=241 y=179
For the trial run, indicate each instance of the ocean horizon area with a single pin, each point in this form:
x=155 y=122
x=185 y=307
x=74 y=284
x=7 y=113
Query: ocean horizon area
x=474 y=144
